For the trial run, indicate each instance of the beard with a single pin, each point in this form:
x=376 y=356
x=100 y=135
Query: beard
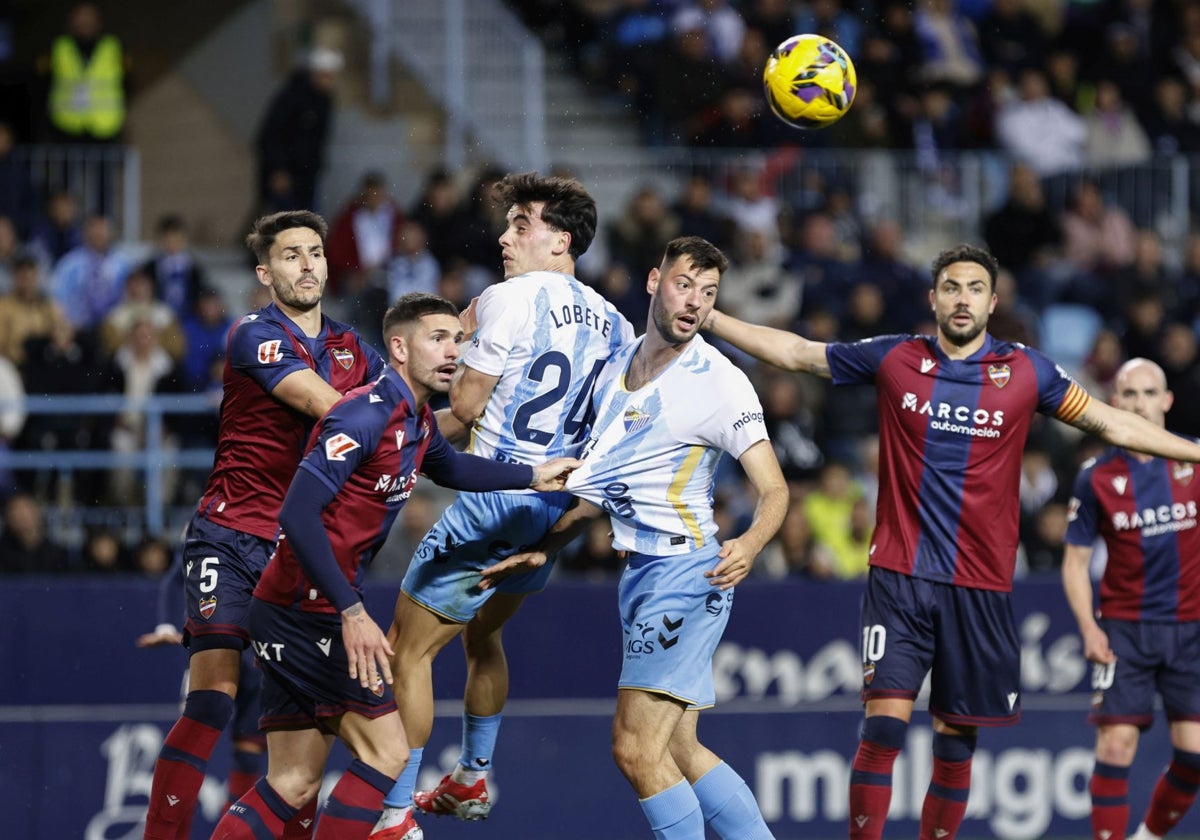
x=297 y=299
x=960 y=336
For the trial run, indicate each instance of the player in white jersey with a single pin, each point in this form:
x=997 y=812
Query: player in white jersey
x=524 y=391
x=667 y=406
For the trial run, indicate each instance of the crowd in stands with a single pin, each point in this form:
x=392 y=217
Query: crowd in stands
x=1086 y=277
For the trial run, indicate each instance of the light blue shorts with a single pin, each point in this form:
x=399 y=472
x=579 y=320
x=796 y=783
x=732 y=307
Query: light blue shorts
x=672 y=621
x=477 y=530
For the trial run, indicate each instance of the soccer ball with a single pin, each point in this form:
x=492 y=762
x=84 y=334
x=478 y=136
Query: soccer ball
x=809 y=81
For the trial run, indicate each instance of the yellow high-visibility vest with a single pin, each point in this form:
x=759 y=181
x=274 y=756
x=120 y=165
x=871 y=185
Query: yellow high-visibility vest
x=87 y=98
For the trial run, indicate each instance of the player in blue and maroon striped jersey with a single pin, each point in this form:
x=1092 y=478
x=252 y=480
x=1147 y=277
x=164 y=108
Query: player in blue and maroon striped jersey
x=326 y=664
x=286 y=364
x=954 y=412
x=1147 y=638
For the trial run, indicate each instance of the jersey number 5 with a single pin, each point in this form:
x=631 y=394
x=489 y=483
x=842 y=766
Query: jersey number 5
x=577 y=418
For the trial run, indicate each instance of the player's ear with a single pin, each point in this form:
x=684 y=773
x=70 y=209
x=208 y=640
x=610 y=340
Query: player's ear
x=398 y=348
x=653 y=280
x=932 y=302
x=563 y=245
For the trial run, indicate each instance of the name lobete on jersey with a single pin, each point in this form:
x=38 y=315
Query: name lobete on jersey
x=951 y=438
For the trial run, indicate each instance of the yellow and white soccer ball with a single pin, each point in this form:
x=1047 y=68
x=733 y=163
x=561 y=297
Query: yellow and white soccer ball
x=809 y=81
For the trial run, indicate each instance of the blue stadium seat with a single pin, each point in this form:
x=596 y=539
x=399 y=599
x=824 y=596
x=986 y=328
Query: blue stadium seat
x=1068 y=332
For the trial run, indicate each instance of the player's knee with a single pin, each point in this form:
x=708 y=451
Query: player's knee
x=297 y=785
x=1116 y=745
x=387 y=758
x=883 y=730
x=631 y=756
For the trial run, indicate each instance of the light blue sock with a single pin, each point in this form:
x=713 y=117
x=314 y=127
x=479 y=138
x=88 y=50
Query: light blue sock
x=400 y=796
x=728 y=805
x=479 y=741
x=674 y=814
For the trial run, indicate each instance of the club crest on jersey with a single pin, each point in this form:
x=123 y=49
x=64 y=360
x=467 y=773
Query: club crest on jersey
x=868 y=672
x=268 y=352
x=377 y=686
x=342 y=356
x=1119 y=483
x=1182 y=472
x=208 y=606
x=339 y=446
x=999 y=374
x=635 y=420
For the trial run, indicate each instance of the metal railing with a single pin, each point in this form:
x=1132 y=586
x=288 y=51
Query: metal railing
x=478 y=60
x=153 y=461
x=104 y=179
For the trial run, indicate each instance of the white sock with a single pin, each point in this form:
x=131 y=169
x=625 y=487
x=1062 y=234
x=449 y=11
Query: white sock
x=391 y=817
x=467 y=777
x=1144 y=833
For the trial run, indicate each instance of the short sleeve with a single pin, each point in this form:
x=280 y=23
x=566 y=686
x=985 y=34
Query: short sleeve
x=346 y=436
x=1083 y=513
x=856 y=363
x=261 y=349
x=503 y=317
x=1059 y=395
x=738 y=422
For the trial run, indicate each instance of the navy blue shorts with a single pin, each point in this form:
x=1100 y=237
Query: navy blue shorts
x=966 y=639
x=306 y=673
x=221 y=568
x=1153 y=657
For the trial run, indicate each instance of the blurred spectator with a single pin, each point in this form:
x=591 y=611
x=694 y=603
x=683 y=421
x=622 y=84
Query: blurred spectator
x=1148 y=274
x=835 y=526
x=816 y=261
x=1129 y=66
x=1064 y=82
x=25 y=547
x=363 y=237
x=719 y=22
x=1039 y=130
x=18 y=201
x=789 y=422
x=137 y=305
x=88 y=281
x=637 y=237
x=866 y=125
x=1171 y=124
x=152 y=557
x=413 y=268
x=864 y=313
x=749 y=205
x=847 y=223
x=1098 y=237
x=756 y=287
x=687 y=82
x=104 y=552
x=632 y=35
x=204 y=330
x=12 y=419
x=436 y=207
x=64 y=364
x=773 y=18
x=294 y=133
x=1011 y=38
x=1114 y=135
x=696 y=214
x=1039 y=484
x=26 y=312
x=480 y=224
x=905 y=289
x=626 y=291
x=949 y=46
x=1043 y=541
x=59 y=233
x=1181 y=364
x=87 y=80
x=891 y=60
x=1012 y=319
x=177 y=274
x=142 y=368
x=740 y=120
x=1024 y=235
x=793 y=550
x=1145 y=323
x=1101 y=365
x=829 y=18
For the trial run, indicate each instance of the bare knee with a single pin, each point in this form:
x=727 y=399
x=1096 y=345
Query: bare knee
x=481 y=642
x=1116 y=745
x=630 y=756
x=297 y=785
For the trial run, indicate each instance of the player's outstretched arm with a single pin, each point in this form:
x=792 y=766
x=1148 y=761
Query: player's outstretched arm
x=452 y=429
x=737 y=555
x=780 y=348
x=306 y=392
x=1077 y=583
x=568 y=527
x=1130 y=431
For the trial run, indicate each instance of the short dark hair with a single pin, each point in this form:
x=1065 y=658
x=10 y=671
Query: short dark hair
x=413 y=307
x=704 y=254
x=266 y=228
x=170 y=223
x=969 y=254
x=566 y=205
